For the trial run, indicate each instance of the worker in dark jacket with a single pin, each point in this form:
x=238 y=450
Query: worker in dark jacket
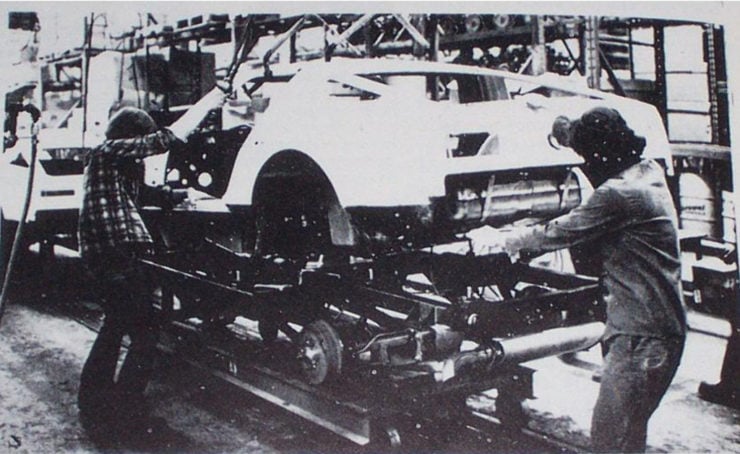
x=632 y=219
x=112 y=237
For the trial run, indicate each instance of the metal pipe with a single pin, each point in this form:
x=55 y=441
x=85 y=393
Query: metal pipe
x=15 y=249
x=347 y=34
x=415 y=34
x=550 y=342
x=86 y=72
x=519 y=349
x=279 y=42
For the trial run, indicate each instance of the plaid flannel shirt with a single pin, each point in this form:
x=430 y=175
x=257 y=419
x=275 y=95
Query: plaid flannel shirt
x=109 y=217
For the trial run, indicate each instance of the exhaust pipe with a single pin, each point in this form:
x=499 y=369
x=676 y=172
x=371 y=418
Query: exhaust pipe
x=550 y=342
x=519 y=349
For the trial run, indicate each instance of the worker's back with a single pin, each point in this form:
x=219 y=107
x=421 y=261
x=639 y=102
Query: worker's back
x=641 y=277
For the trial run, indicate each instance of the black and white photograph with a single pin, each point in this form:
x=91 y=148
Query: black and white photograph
x=369 y=227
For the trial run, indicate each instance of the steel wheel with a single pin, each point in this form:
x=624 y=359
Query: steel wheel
x=320 y=352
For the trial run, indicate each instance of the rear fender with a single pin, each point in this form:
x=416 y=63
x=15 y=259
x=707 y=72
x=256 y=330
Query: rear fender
x=290 y=180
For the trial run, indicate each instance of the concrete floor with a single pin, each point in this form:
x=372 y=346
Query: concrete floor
x=43 y=346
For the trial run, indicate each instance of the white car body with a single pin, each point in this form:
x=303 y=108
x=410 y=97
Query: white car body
x=399 y=141
x=385 y=145
x=381 y=155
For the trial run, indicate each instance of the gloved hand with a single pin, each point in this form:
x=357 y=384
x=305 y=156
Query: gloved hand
x=187 y=198
x=484 y=240
x=487 y=240
x=157 y=196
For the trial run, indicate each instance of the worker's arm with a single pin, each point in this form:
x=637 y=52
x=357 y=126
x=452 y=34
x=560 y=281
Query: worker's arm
x=159 y=142
x=602 y=213
x=140 y=147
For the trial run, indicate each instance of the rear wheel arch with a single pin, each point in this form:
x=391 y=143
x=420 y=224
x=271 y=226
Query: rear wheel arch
x=297 y=210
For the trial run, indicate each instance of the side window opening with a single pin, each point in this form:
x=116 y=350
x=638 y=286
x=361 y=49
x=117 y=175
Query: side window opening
x=518 y=88
x=467 y=88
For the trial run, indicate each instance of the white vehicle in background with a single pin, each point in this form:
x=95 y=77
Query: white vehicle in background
x=72 y=121
x=57 y=181
x=56 y=193
x=364 y=155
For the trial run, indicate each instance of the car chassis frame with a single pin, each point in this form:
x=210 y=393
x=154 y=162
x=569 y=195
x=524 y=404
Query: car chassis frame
x=367 y=352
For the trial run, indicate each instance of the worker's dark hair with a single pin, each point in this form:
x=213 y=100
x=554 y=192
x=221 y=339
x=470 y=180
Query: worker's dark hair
x=130 y=122
x=601 y=136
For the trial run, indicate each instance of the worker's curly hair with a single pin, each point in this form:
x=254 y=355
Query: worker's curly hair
x=130 y=122
x=603 y=139
x=602 y=135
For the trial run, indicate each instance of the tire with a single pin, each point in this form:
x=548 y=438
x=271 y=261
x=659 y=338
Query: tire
x=320 y=353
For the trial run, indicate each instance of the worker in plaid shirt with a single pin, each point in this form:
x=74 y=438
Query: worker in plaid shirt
x=112 y=237
x=109 y=219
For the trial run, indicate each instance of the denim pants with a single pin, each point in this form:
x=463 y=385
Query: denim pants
x=637 y=373
x=126 y=293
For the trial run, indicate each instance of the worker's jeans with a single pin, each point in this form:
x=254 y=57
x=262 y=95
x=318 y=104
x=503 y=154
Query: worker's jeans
x=126 y=290
x=637 y=373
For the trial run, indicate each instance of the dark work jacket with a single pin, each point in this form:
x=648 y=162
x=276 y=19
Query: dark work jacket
x=632 y=220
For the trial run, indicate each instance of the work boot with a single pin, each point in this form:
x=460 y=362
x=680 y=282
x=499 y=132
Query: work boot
x=720 y=394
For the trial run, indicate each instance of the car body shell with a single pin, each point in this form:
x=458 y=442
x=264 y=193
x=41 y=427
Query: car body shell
x=391 y=150
x=394 y=148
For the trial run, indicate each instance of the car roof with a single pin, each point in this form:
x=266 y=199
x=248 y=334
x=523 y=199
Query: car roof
x=354 y=66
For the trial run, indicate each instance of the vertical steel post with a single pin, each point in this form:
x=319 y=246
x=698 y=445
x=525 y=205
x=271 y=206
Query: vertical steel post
x=86 y=71
x=368 y=38
x=591 y=54
x=660 y=73
x=717 y=84
x=419 y=22
x=539 y=52
x=631 y=50
x=433 y=37
x=198 y=72
x=293 y=48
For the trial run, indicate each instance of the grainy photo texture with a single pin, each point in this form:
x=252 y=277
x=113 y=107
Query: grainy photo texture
x=368 y=227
